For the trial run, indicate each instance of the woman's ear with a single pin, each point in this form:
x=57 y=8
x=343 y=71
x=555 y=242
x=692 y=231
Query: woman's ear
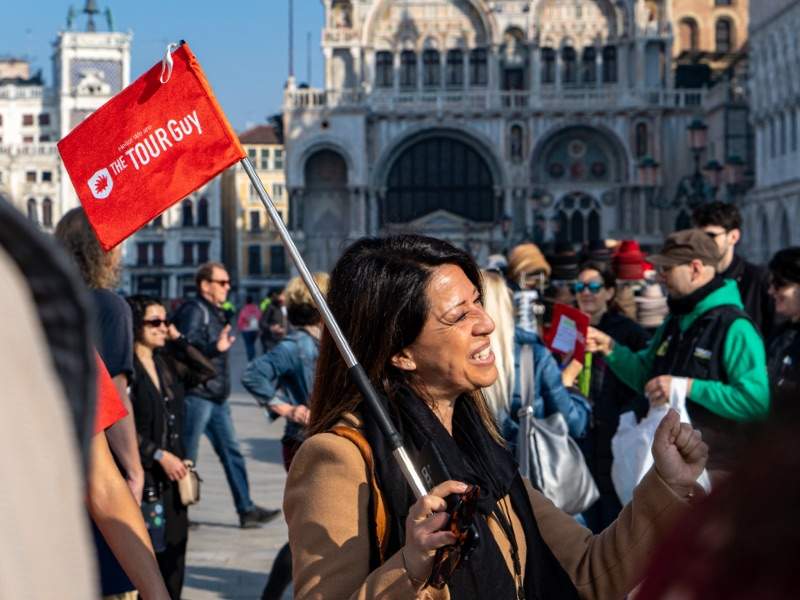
x=404 y=361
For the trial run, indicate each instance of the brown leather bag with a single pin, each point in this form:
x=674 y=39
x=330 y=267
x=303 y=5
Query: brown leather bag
x=381 y=516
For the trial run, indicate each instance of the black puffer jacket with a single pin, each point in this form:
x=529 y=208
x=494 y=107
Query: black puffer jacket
x=783 y=365
x=201 y=323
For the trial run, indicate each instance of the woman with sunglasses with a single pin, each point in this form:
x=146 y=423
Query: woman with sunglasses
x=783 y=349
x=412 y=309
x=164 y=364
x=594 y=290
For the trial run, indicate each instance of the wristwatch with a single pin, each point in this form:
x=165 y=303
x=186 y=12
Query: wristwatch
x=158 y=455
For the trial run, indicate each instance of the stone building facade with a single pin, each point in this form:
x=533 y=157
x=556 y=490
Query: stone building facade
x=88 y=68
x=772 y=208
x=252 y=249
x=486 y=122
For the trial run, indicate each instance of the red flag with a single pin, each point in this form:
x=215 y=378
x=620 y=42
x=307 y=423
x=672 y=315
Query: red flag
x=147 y=148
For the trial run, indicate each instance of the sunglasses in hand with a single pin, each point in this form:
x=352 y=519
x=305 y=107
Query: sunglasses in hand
x=462 y=525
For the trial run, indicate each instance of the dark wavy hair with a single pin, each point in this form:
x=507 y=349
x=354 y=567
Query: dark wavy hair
x=378 y=294
x=98 y=268
x=786 y=264
x=721 y=214
x=139 y=304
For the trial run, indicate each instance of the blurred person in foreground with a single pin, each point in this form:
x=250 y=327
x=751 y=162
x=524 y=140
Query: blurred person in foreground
x=722 y=222
x=741 y=542
x=708 y=350
x=164 y=365
x=114 y=340
x=594 y=291
x=290 y=367
x=783 y=349
x=412 y=308
x=208 y=411
x=551 y=385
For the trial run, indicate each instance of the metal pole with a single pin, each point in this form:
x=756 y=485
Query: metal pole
x=291 y=38
x=357 y=372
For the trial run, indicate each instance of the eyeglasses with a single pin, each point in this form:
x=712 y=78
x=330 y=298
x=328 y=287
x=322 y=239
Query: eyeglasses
x=222 y=282
x=664 y=269
x=593 y=286
x=462 y=525
x=715 y=234
x=156 y=322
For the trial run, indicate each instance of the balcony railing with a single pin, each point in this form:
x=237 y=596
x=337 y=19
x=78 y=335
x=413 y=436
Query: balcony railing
x=387 y=101
x=37 y=149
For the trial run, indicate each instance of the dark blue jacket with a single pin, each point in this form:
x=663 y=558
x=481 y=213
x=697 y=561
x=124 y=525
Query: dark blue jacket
x=290 y=367
x=550 y=395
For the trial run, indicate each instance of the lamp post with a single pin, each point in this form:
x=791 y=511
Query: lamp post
x=713 y=171
x=693 y=190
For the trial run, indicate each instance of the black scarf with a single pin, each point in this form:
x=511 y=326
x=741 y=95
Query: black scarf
x=686 y=304
x=472 y=456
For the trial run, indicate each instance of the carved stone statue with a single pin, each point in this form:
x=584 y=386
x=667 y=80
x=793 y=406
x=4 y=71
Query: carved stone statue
x=70 y=16
x=109 y=19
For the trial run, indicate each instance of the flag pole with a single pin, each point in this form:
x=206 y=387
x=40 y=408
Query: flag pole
x=357 y=371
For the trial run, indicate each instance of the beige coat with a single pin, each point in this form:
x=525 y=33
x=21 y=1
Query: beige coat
x=326 y=506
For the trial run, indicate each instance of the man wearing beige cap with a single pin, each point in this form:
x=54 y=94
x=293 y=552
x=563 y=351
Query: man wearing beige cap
x=707 y=351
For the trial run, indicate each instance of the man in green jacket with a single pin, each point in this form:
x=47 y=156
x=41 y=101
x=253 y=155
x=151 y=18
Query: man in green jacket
x=707 y=350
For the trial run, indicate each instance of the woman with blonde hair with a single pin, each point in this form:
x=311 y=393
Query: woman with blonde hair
x=549 y=383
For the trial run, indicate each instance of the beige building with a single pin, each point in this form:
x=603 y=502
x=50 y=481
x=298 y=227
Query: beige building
x=252 y=250
x=708 y=30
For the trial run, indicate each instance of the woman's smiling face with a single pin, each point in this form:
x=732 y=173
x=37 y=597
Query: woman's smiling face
x=451 y=355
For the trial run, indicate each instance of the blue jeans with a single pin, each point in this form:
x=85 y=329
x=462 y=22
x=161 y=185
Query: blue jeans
x=205 y=416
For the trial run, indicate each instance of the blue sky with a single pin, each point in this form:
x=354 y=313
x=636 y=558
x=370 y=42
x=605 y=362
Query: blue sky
x=243 y=46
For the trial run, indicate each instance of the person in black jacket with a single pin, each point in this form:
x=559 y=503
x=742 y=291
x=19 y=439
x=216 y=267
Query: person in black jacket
x=783 y=349
x=205 y=326
x=594 y=291
x=164 y=363
x=723 y=223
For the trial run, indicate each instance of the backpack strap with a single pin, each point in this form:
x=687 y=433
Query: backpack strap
x=381 y=516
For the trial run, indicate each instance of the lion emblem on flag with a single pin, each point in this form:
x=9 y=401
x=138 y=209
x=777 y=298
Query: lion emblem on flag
x=101 y=184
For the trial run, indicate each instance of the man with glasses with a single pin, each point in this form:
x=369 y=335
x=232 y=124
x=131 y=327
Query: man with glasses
x=203 y=322
x=707 y=351
x=722 y=222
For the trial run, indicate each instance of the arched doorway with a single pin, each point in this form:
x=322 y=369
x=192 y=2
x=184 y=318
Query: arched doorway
x=325 y=211
x=439 y=173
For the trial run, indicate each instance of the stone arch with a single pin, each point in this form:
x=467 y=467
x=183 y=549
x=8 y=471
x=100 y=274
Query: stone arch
x=325 y=207
x=484 y=14
x=478 y=141
x=599 y=139
x=297 y=171
x=435 y=171
x=619 y=15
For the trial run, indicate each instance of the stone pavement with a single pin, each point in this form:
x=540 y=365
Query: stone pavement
x=224 y=561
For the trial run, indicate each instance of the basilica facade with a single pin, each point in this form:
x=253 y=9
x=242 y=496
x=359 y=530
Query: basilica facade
x=486 y=122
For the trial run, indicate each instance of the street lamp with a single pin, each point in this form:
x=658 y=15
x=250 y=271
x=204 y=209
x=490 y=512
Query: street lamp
x=693 y=189
x=713 y=171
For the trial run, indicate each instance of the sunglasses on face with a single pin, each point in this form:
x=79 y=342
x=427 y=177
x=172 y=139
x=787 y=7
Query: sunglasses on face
x=593 y=286
x=156 y=322
x=462 y=525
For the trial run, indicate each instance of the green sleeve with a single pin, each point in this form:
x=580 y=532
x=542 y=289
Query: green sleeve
x=746 y=395
x=633 y=368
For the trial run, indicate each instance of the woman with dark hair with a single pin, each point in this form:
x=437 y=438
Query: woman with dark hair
x=411 y=308
x=164 y=364
x=595 y=289
x=783 y=349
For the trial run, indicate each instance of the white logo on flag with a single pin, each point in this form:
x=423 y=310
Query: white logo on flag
x=101 y=184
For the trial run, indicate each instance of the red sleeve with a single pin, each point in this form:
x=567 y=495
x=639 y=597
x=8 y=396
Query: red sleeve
x=109 y=405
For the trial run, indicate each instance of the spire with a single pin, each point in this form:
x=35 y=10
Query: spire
x=90 y=9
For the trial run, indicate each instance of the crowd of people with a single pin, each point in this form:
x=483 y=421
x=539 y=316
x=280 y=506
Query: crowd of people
x=456 y=352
